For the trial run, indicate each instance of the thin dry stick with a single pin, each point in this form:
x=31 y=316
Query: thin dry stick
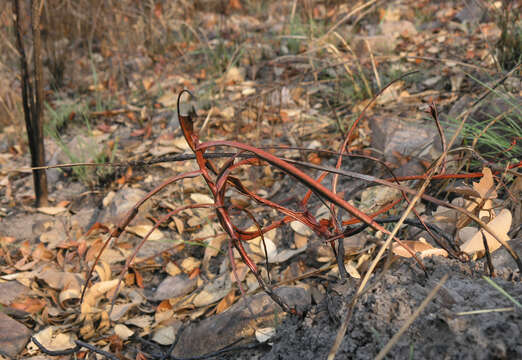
x=349 y=15
x=408 y=322
x=485 y=311
x=374 y=65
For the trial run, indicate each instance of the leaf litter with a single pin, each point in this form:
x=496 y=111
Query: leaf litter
x=292 y=253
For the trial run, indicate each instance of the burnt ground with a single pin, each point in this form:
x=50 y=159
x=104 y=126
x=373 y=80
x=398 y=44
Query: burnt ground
x=438 y=333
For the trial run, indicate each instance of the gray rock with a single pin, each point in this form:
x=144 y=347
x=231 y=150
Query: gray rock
x=10 y=291
x=471 y=12
x=237 y=322
x=404 y=137
x=122 y=202
x=174 y=286
x=81 y=148
x=13 y=336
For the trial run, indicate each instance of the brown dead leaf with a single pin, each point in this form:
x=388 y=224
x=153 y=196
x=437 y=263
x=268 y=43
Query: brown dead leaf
x=147 y=82
x=104 y=324
x=57 y=279
x=138 y=277
x=226 y=302
x=234 y=5
x=42 y=253
x=465 y=191
x=300 y=241
x=29 y=305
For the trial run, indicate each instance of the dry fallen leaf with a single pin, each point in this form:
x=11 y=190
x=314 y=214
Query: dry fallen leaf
x=351 y=268
x=123 y=332
x=300 y=228
x=214 y=291
x=376 y=196
x=49 y=210
x=94 y=293
x=143 y=230
x=486 y=186
x=29 y=305
x=172 y=269
x=499 y=224
x=300 y=241
x=226 y=302
x=142 y=321
x=264 y=334
x=166 y=335
x=421 y=247
x=189 y=264
x=201 y=198
x=53 y=338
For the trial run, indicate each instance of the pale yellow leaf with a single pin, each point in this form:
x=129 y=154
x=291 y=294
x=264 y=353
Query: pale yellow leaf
x=122 y=331
x=421 y=247
x=48 y=210
x=179 y=224
x=52 y=338
x=94 y=293
x=69 y=297
x=213 y=292
x=485 y=187
x=264 y=334
x=142 y=321
x=143 y=230
x=172 y=269
x=181 y=143
x=500 y=225
x=300 y=241
x=190 y=263
x=201 y=198
x=351 y=268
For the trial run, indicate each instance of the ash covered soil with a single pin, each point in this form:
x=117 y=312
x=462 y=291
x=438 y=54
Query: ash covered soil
x=440 y=332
